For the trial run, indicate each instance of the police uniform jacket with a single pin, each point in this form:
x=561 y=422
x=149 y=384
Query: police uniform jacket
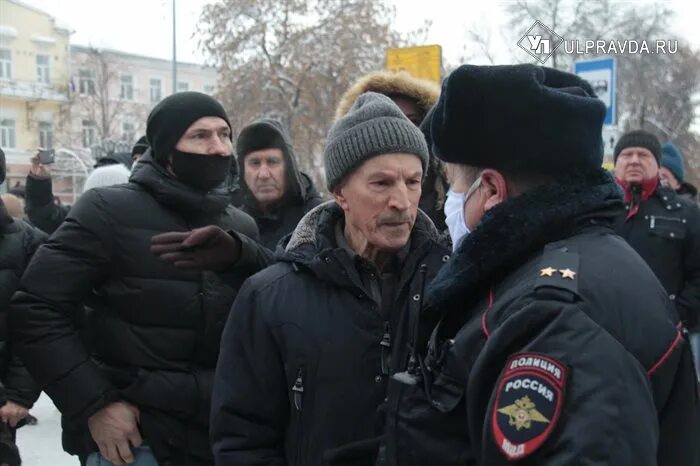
x=546 y=341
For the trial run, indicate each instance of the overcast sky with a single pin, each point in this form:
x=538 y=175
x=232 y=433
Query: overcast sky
x=145 y=26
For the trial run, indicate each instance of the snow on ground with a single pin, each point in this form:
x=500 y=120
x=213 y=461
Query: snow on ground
x=40 y=445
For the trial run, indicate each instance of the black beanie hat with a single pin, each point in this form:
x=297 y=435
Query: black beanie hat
x=265 y=133
x=639 y=138
x=141 y=146
x=518 y=118
x=170 y=119
x=3 y=166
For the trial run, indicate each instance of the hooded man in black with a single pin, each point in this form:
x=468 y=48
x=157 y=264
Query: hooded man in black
x=274 y=192
x=145 y=388
x=545 y=339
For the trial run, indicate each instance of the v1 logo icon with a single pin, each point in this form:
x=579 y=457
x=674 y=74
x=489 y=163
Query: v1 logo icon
x=540 y=42
x=539 y=45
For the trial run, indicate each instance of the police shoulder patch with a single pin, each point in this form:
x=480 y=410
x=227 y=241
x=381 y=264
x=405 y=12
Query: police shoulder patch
x=529 y=400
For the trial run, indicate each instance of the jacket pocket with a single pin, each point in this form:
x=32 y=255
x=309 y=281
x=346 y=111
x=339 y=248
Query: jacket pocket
x=667 y=227
x=446 y=392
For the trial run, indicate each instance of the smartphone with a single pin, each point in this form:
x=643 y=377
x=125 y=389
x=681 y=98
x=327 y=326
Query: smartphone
x=47 y=156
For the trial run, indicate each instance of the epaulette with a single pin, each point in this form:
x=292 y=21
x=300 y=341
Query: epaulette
x=557 y=272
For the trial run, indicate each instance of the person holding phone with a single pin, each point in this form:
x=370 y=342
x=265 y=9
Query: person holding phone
x=40 y=207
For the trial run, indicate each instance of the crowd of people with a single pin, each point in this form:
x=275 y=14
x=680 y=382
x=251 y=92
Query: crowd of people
x=475 y=288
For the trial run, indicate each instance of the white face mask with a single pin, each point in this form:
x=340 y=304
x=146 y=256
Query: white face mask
x=454 y=213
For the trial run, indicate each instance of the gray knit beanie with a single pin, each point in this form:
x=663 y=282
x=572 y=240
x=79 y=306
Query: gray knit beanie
x=373 y=126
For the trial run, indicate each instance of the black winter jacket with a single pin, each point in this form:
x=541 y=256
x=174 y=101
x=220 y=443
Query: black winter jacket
x=666 y=233
x=555 y=345
x=300 y=194
x=18 y=242
x=40 y=207
x=155 y=328
x=306 y=352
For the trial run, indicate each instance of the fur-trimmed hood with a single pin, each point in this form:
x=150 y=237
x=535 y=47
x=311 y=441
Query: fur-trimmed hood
x=510 y=233
x=425 y=93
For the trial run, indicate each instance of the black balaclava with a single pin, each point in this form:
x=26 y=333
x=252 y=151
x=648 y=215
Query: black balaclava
x=167 y=123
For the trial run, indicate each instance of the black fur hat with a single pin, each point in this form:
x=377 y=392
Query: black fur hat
x=518 y=118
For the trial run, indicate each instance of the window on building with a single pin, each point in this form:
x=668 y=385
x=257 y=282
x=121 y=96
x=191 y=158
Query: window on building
x=45 y=134
x=89 y=133
x=5 y=64
x=155 y=90
x=183 y=86
x=87 y=82
x=209 y=89
x=7 y=133
x=127 y=87
x=42 y=69
x=128 y=132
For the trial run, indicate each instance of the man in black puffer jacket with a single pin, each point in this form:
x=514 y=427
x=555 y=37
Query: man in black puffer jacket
x=155 y=329
x=274 y=192
x=308 y=346
x=18 y=242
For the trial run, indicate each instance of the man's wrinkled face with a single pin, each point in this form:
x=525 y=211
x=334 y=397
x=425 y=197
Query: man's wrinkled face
x=207 y=136
x=380 y=199
x=635 y=165
x=669 y=179
x=264 y=173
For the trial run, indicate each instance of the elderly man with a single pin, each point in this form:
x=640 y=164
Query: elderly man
x=414 y=97
x=142 y=394
x=545 y=339
x=308 y=346
x=274 y=192
x=660 y=225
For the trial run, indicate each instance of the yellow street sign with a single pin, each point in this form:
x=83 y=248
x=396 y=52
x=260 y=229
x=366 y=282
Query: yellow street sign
x=421 y=62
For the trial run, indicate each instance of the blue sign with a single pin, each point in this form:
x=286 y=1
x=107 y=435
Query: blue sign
x=600 y=72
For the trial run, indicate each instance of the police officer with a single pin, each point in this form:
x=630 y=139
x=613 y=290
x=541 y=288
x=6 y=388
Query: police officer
x=544 y=340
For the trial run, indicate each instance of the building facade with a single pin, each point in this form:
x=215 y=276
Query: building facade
x=34 y=78
x=80 y=100
x=113 y=92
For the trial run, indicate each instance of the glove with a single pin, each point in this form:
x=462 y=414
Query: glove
x=207 y=248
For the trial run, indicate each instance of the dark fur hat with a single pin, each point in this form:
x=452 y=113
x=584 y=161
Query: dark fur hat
x=518 y=118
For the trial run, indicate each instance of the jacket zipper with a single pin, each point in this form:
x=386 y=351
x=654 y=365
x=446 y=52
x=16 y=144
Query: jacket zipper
x=386 y=349
x=654 y=218
x=298 y=397
x=298 y=389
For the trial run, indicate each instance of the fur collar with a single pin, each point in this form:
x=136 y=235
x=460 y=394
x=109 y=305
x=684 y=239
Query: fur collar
x=317 y=229
x=424 y=92
x=510 y=233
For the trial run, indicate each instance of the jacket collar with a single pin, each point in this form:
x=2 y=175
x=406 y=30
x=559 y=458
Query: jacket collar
x=510 y=233
x=174 y=194
x=313 y=243
x=644 y=190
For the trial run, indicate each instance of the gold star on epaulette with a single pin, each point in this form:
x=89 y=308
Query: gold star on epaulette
x=567 y=273
x=547 y=272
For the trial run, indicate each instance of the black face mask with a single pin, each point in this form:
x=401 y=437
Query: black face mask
x=199 y=171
